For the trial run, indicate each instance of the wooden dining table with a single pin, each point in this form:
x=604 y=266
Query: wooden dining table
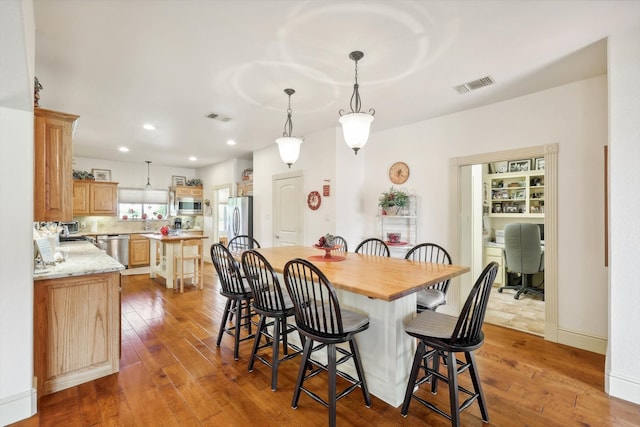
x=385 y=289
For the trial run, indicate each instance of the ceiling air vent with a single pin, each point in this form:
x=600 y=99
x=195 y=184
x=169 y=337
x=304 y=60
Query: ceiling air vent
x=218 y=117
x=473 y=85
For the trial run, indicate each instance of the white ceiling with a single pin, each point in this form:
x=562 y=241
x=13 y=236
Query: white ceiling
x=122 y=63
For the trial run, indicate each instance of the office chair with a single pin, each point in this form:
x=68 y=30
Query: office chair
x=523 y=254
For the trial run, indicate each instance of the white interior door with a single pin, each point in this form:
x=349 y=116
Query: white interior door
x=288 y=217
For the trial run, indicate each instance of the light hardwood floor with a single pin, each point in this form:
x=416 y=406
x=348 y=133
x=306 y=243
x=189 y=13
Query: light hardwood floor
x=172 y=373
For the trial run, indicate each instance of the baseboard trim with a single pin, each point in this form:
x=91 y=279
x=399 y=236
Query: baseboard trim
x=18 y=407
x=582 y=341
x=624 y=388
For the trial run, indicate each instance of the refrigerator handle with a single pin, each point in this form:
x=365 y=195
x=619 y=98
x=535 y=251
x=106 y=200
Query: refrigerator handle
x=236 y=221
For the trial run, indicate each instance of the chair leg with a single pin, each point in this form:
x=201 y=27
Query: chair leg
x=415 y=368
x=308 y=344
x=331 y=366
x=477 y=385
x=436 y=368
x=452 y=373
x=256 y=342
x=275 y=361
x=358 y=362
x=223 y=323
x=238 y=324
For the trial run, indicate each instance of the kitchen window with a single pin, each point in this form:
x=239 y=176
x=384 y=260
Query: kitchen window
x=139 y=204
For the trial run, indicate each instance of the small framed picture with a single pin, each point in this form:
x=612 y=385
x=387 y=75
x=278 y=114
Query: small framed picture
x=178 y=180
x=497 y=208
x=540 y=163
x=101 y=174
x=511 y=209
x=499 y=167
x=519 y=165
x=519 y=194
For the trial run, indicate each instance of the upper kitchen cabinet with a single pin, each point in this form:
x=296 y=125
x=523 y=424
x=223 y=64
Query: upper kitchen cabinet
x=53 y=165
x=95 y=198
x=188 y=191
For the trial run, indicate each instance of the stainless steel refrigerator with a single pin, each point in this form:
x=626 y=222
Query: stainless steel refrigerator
x=239 y=216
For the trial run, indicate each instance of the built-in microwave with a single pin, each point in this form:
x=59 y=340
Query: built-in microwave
x=189 y=206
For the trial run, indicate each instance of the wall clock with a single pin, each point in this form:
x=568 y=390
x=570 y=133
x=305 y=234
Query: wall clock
x=314 y=200
x=399 y=172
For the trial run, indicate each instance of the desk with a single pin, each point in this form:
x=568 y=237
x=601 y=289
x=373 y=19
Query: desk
x=383 y=288
x=163 y=265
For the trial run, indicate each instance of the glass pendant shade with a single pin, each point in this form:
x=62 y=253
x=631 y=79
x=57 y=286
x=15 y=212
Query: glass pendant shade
x=355 y=128
x=289 y=147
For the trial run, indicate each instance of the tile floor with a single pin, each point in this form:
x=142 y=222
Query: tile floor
x=525 y=314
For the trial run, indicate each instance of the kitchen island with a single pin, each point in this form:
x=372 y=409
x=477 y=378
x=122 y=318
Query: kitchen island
x=76 y=318
x=162 y=250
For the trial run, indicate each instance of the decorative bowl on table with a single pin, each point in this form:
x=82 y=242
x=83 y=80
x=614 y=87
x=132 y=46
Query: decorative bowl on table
x=327 y=243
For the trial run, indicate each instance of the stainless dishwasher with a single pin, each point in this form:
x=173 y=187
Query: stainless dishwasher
x=116 y=246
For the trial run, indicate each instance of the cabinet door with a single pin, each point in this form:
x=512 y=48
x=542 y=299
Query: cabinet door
x=495 y=255
x=76 y=330
x=138 y=251
x=104 y=198
x=52 y=165
x=81 y=191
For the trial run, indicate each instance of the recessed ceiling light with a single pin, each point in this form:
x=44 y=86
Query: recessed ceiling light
x=123 y=149
x=231 y=142
x=193 y=158
x=149 y=126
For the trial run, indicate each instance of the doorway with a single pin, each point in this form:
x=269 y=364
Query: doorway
x=468 y=252
x=288 y=219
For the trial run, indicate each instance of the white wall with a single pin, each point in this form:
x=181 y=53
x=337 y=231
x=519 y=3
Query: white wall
x=17 y=394
x=317 y=161
x=623 y=369
x=134 y=175
x=573 y=116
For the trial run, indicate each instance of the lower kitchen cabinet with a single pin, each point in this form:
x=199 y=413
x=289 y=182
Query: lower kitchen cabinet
x=138 y=251
x=76 y=330
x=494 y=254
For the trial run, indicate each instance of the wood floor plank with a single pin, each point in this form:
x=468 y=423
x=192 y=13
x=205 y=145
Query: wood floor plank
x=172 y=373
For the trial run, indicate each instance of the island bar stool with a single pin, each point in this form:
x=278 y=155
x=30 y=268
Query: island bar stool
x=448 y=335
x=238 y=294
x=273 y=306
x=341 y=243
x=191 y=251
x=320 y=319
x=373 y=246
x=435 y=295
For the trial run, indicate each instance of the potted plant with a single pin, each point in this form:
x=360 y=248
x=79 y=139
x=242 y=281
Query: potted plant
x=393 y=201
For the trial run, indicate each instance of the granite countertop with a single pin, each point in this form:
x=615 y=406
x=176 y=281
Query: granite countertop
x=83 y=258
x=111 y=232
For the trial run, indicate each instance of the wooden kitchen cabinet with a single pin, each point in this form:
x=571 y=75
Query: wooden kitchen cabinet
x=138 y=251
x=187 y=191
x=53 y=168
x=95 y=198
x=76 y=330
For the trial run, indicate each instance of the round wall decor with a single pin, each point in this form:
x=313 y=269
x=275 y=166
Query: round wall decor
x=314 y=200
x=399 y=172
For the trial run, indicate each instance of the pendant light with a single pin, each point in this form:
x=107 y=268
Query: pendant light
x=148 y=186
x=356 y=125
x=289 y=146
